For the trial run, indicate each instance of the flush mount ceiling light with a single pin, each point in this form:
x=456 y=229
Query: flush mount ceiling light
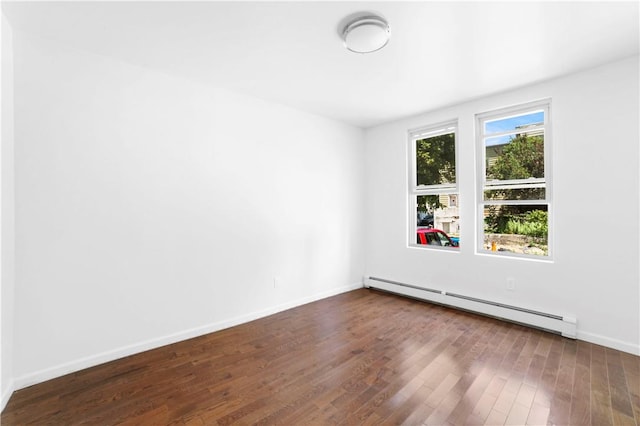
x=366 y=34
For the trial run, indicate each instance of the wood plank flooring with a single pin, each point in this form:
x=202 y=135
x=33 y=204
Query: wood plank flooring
x=359 y=358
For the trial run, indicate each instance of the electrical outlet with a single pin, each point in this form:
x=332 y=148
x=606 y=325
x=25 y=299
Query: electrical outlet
x=511 y=284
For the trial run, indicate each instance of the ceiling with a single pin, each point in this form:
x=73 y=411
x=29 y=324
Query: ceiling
x=440 y=53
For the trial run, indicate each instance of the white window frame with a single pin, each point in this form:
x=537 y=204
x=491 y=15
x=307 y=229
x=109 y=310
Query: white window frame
x=415 y=190
x=484 y=185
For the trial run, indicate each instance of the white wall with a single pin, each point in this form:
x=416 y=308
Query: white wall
x=150 y=208
x=7 y=231
x=595 y=119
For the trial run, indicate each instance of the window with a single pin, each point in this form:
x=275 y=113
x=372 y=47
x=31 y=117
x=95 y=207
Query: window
x=515 y=190
x=433 y=189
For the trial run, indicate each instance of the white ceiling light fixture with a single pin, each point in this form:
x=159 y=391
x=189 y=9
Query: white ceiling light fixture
x=366 y=34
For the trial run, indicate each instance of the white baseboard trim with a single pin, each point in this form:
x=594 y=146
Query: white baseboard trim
x=97 y=359
x=609 y=342
x=6 y=394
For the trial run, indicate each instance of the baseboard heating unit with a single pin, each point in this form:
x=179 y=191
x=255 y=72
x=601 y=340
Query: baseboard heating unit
x=566 y=326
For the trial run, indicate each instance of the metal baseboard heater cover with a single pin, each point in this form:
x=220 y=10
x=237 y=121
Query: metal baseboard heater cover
x=566 y=326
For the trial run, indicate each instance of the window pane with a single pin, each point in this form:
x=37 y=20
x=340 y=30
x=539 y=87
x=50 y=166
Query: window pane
x=435 y=213
x=515 y=157
x=436 y=160
x=515 y=194
x=518 y=122
x=517 y=229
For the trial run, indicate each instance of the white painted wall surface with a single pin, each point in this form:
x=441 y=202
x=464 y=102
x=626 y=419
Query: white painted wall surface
x=150 y=208
x=7 y=229
x=594 y=274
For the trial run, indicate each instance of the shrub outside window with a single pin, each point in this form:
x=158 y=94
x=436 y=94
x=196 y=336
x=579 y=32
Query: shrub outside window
x=433 y=189
x=515 y=191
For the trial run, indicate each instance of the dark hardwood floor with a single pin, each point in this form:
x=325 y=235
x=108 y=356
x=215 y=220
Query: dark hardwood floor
x=363 y=357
